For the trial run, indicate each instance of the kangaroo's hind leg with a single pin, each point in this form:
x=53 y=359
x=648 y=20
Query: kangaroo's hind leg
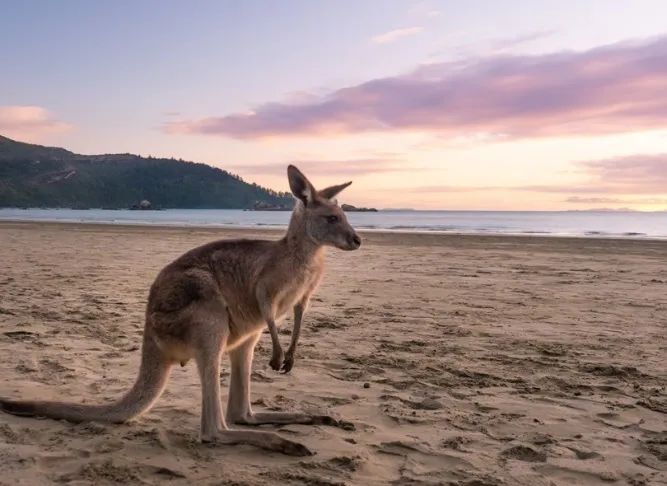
x=239 y=410
x=211 y=336
x=211 y=330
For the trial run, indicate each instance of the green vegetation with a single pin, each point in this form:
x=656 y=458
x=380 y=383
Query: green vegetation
x=37 y=176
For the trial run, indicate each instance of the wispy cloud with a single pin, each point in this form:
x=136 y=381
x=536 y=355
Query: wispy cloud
x=500 y=45
x=616 y=200
x=486 y=48
x=634 y=173
x=423 y=9
x=641 y=174
x=394 y=35
x=593 y=200
x=348 y=167
x=29 y=122
x=611 y=89
x=449 y=188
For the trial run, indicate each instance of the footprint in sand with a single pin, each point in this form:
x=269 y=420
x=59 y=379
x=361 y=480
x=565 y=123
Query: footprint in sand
x=22 y=335
x=110 y=472
x=421 y=463
x=524 y=453
x=585 y=455
x=9 y=436
x=261 y=377
x=615 y=420
x=456 y=443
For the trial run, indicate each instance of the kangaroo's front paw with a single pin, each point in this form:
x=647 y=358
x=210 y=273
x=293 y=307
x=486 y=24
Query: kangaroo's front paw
x=288 y=363
x=277 y=359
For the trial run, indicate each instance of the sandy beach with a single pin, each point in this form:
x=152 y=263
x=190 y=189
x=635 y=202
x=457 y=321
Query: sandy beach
x=463 y=360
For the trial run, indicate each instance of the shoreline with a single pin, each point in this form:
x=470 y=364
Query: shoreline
x=631 y=236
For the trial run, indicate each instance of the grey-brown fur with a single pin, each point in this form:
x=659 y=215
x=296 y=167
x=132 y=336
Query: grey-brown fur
x=217 y=298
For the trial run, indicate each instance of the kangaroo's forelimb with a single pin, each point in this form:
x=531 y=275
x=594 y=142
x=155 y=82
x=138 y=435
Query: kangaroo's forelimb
x=267 y=307
x=277 y=354
x=299 y=310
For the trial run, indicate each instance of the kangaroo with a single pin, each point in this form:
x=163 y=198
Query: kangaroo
x=217 y=298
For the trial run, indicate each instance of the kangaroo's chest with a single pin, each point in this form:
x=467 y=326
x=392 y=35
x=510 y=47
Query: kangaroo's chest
x=293 y=288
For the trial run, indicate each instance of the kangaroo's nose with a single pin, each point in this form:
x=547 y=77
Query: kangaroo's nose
x=356 y=240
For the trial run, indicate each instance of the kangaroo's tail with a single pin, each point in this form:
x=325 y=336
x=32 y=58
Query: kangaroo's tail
x=153 y=375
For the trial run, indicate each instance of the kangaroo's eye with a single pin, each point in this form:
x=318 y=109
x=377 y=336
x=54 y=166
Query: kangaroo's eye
x=332 y=219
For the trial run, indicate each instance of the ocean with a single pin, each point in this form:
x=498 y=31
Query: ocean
x=617 y=224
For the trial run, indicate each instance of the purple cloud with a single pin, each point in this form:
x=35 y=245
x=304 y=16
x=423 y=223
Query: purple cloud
x=610 y=89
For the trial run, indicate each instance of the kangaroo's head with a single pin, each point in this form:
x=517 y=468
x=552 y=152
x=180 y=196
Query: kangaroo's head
x=324 y=221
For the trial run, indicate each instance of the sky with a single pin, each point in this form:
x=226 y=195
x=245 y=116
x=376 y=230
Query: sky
x=513 y=105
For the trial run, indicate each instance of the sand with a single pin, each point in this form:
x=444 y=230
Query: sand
x=463 y=360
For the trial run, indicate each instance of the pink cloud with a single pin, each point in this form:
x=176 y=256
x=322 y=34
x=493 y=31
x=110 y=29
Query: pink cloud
x=632 y=174
x=610 y=89
x=394 y=35
x=349 y=167
x=498 y=45
x=614 y=200
x=28 y=122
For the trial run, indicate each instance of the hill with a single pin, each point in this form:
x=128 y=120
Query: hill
x=37 y=176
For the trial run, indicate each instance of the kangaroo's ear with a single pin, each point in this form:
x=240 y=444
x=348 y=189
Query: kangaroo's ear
x=331 y=192
x=300 y=185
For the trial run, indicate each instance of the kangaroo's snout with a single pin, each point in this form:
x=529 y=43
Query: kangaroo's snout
x=354 y=241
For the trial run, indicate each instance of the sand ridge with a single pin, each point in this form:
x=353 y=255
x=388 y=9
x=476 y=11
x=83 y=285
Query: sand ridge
x=489 y=360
